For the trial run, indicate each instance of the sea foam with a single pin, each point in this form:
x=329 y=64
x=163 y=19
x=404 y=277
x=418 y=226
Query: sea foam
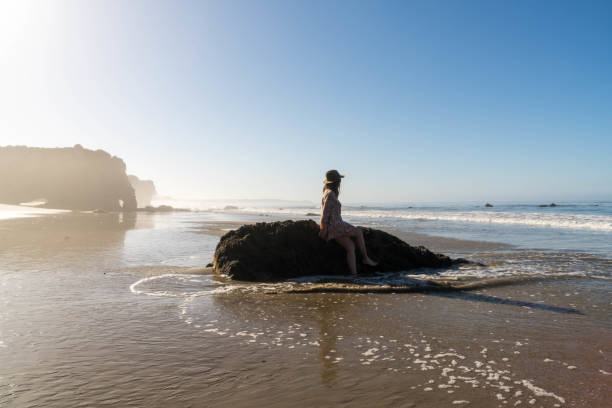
x=587 y=222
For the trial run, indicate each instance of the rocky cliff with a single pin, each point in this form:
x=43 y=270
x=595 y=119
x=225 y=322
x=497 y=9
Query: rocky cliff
x=289 y=249
x=70 y=178
x=144 y=189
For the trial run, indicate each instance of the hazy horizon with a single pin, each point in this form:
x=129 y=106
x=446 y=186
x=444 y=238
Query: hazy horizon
x=414 y=102
x=230 y=200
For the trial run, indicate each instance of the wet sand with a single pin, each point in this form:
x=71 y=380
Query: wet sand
x=8 y=211
x=117 y=310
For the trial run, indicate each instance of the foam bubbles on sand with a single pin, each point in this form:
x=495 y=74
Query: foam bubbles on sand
x=447 y=368
x=486 y=365
x=541 y=392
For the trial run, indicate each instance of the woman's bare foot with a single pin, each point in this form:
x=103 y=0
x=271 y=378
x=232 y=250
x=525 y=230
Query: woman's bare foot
x=368 y=261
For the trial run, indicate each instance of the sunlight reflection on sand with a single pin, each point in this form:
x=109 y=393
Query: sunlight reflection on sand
x=8 y=211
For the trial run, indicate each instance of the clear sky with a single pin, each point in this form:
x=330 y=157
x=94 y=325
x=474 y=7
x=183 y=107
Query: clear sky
x=413 y=101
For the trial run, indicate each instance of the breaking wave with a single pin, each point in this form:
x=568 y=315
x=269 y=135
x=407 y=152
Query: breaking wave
x=587 y=222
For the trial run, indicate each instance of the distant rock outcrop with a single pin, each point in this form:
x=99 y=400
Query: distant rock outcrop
x=162 y=208
x=289 y=249
x=144 y=189
x=548 y=205
x=70 y=178
x=488 y=205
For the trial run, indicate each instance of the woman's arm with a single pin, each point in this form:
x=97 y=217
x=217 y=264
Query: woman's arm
x=326 y=208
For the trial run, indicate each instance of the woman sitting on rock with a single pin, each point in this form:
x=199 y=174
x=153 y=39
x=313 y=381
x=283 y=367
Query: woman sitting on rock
x=332 y=226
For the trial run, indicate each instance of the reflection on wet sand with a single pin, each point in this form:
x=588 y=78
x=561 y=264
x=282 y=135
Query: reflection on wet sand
x=75 y=230
x=294 y=321
x=79 y=240
x=325 y=318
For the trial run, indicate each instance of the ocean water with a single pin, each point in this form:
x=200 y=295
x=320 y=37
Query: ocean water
x=569 y=238
x=117 y=310
x=568 y=226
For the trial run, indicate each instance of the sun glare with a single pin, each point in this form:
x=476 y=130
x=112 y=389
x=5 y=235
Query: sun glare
x=21 y=21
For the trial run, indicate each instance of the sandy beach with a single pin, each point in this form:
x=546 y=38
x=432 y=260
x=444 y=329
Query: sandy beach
x=118 y=310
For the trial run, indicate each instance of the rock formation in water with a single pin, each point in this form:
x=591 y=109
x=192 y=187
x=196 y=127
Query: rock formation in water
x=289 y=249
x=70 y=178
x=163 y=208
x=144 y=189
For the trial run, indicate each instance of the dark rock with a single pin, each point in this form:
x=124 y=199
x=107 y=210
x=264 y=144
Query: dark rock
x=488 y=205
x=144 y=189
x=71 y=178
x=548 y=205
x=289 y=249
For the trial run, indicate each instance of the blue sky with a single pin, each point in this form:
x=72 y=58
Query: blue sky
x=414 y=101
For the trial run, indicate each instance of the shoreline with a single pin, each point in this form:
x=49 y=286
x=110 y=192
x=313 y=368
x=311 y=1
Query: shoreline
x=218 y=228
x=124 y=298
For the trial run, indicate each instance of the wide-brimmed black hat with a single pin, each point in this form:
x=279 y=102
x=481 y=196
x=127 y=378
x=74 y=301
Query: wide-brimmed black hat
x=333 y=176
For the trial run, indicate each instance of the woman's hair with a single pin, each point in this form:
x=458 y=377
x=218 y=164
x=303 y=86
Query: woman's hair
x=335 y=187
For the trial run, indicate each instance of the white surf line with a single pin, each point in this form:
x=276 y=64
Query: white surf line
x=134 y=290
x=150 y=278
x=593 y=222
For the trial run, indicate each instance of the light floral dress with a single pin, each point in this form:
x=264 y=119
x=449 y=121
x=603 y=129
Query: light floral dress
x=331 y=220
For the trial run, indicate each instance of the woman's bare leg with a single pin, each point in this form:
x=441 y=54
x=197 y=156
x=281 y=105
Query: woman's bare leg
x=358 y=235
x=348 y=244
